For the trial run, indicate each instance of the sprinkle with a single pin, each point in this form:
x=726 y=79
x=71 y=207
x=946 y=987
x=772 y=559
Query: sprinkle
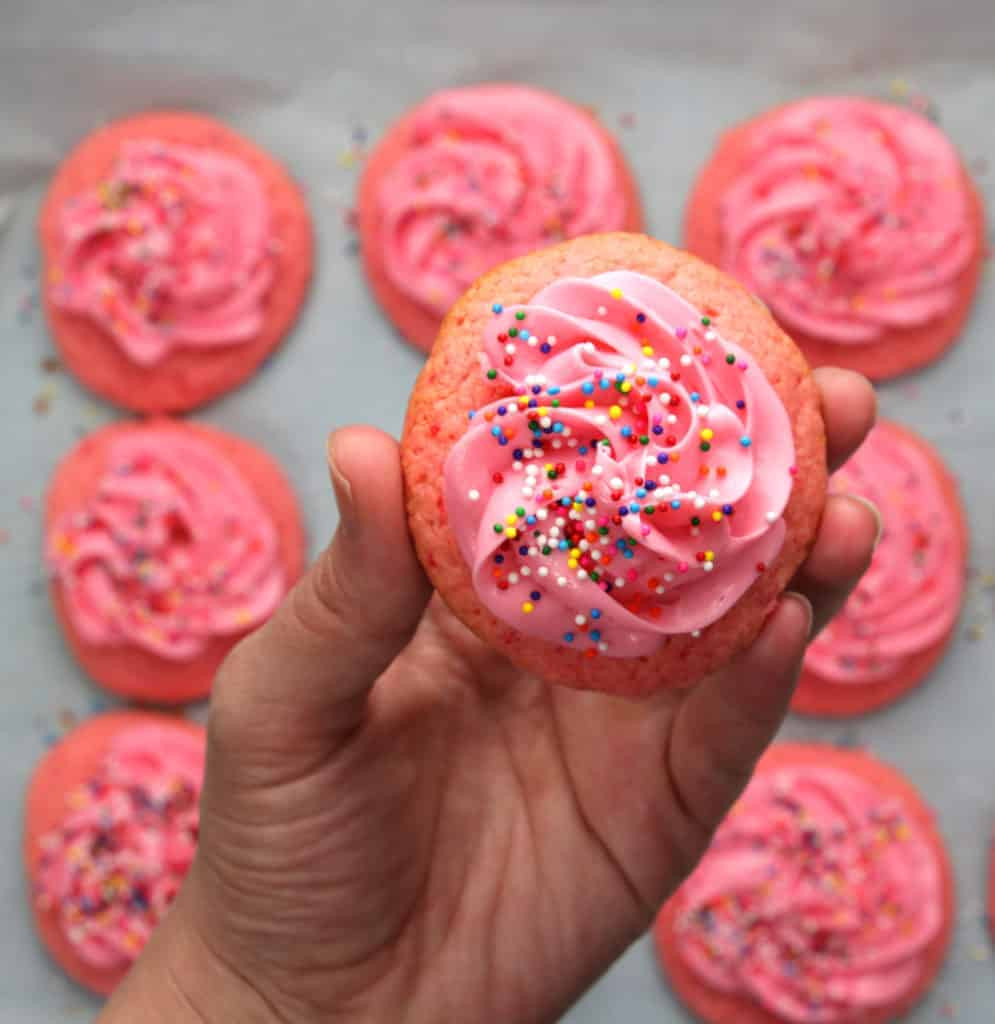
x=602 y=311
x=528 y=607
x=497 y=308
x=745 y=441
x=474 y=495
x=520 y=315
x=614 y=412
x=616 y=293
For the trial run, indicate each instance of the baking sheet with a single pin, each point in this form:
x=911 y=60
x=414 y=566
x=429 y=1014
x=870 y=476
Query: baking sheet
x=312 y=82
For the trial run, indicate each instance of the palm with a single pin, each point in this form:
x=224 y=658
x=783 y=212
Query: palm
x=481 y=821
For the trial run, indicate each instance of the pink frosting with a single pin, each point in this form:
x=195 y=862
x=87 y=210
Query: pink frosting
x=850 y=219
x=492 y=172
x=111 y=868
x=910 y=597
x=818 y=899
x=632 y=485
x=172 y=549
x=174 y=250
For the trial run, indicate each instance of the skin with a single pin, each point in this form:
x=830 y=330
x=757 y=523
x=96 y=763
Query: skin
x=398 y=825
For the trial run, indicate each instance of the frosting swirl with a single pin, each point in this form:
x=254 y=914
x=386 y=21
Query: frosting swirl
x=818 y=898
x=632 y=483
x=490 y=173
x=173 y=250
x=910 y=597
x=173 y=549
x=111 y=868
x=849 y=218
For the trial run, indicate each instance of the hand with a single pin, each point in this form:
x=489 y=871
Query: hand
x=398 y=825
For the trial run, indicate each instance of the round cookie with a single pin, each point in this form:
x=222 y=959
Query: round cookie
x=914 y=963
x=854 y=220
x=474 y=176
x=54 y=793
x=137 y=504
x=162 y=296
x=719 y=578
x=897 y=625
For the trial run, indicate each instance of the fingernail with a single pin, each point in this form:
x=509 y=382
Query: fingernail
x=873 y=509
x=805 y=605
x=342 y=487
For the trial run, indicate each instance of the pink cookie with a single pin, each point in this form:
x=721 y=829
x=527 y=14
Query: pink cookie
x=899 y=621
x=474 y=176
x=177 y=257
x=855 y=221
x=110 y=830
x=167 y=543
x=615 y=462
x=826 y=897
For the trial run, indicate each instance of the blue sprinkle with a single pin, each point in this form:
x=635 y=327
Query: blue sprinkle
x=641 y=318
x=496 y=430
x=740 y=404
x=595 y=635
x=619 y=377
x=587 y=387
x=566 y=502
x=564 y=545
x=727 y=510
x=663 y=458
x=590 y=502
x=503 y=442
x=626 y=431
x=471 y=414
x=582 y=450
x=620 y=544
x=605 y=384
x=745 y=441
x=569 y=637
x=695 y=397
x=627 y=553
x=497 y=307
x=634 y=508
x=651 y=485
x=524 y=334
x=640 y=492
x=545 y=349
x=531 y=520
x=675 y=504
x=658 y=430
x=553 y=390
x=499 y=559
x=623 y=510
x=518 y=454
x=536 y=389
x=523 y=550
x=557 y=428
x=653 y=381
x=535 y=595
x=595 y=613
x=532 y=403
x=501 y=410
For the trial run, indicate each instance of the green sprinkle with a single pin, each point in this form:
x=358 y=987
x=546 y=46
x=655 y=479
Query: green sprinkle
x=643 y=439
x=547 y=550
x=491 y=374
x=519 y=512
x=595 y=576
x=695 y=521
x=512 y=332
x=730 y=359
x=705 y=446
x=603 y=530
x=649 y=510
x=498 y=528
x=520 y=315
x=706 y=320
x=555 y=403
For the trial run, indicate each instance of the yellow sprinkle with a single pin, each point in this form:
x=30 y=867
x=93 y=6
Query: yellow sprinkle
x=511 y=519
x=572 y=563
x=523 y=401
x=707 y=434
x=625 y=387
x=528 y=607
x=614 y=412
x=616 y=293
x=589 y=403
x=709 y=556
x=511 y=533
x=717 y=516
x=647 y=350
x=549 y=467
x=542 y=410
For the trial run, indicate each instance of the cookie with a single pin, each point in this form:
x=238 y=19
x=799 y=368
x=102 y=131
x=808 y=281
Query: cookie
x=614 y=462
x=826 y=896
x=110 y=830
x=897 y=624
x=472 y=177
x=167 y=542
x=855 y=221
x=177 y=255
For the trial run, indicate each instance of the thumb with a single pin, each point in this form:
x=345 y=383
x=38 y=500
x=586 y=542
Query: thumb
x=301 y=680
x=726 y=723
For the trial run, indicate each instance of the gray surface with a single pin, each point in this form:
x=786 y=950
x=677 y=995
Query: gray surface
x=300 y=78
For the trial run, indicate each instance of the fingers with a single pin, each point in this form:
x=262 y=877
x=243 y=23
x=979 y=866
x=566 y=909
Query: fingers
x=319 y=655
x=849 y=407
x=725 y=723
x=848 y=534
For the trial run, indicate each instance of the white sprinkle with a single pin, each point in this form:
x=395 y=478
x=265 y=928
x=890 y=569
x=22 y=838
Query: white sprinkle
x=513 y=577
x=582 y=574
x=699 y=502
x=580 y=620
x=534 y=553
x=619 y=582
x=713 y=493
x=664 y=480
x=588 y=346
x=533 y=341
x=665 y=398
x=510 y=349
x=596 y=555
x=696 y=634
x=707 y=566
x=583 y=545
x=573 y=442
x=526 y=571
x=528 y=492
x=474 y=495
x=551 y=340
x=710 y=335
x=531 y=470
x=597 y=470
x=772 y=517
x=542 y=514
x=561 y=581
x=517 y=467
x=661 y=590
x=686 y=360
x=560 y=521
x=663 y=363
x=545 y=421
x=668 y=577
x=703 y=411
x=557 y=443
x=602 y=311
x=615 y=483
x=601 y=420
x=543 y=570
x=695 y=531
x=554 y=531
x=671 y=420
x=602 y=646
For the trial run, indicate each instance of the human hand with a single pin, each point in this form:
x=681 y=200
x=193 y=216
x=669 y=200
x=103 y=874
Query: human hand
x=398 y=825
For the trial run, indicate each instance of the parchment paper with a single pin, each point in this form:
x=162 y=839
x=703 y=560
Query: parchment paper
x=313 y=82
